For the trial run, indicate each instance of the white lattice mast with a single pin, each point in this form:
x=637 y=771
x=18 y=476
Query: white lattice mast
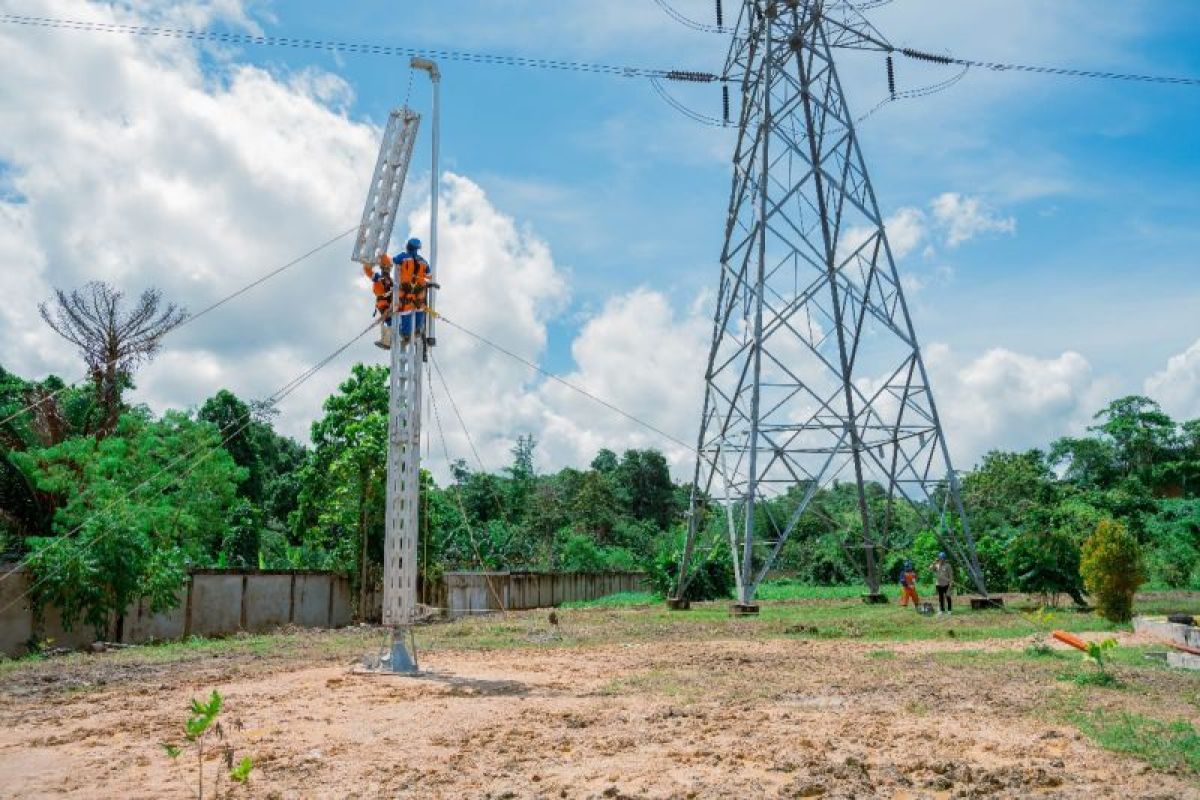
x=815 y=373
x=404 y=405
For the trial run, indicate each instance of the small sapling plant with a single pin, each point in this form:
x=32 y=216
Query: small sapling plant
x=199 y=729
x=1043 y=620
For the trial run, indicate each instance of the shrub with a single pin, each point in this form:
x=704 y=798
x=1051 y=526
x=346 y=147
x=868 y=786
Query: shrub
x=1112 y=569
x=1045 y=563
x=711 y=570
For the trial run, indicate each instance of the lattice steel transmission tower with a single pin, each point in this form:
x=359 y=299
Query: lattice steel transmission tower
x=815 y=373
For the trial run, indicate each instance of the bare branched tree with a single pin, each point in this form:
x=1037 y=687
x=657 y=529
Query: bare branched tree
x=113 y=342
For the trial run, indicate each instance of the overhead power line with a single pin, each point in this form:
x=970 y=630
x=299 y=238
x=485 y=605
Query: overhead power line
x=361 y=48
x=998 y=66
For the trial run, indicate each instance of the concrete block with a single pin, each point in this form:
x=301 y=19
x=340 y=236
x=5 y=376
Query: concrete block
x=268 y=601
x=216 y=604
x=1183 y=661
x=1167 y=632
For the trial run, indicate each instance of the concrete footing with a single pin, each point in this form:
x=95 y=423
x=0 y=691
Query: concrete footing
x=679 y=604
x=743 y=609
x=982 y=603
x=876 y=599
x=1183 y=661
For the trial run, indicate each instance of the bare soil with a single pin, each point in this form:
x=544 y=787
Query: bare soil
x=686 y=718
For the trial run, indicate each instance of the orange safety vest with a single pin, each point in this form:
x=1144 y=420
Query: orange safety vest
x=381 y=285
x=414 y=283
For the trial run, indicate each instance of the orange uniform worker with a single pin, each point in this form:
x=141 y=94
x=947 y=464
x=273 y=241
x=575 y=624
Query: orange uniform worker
x=412 y=298
x=415 y=280
x=908 y=586
x=381 y=285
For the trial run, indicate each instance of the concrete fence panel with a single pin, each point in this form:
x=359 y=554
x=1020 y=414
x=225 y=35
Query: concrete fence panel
x=215 y=604
x=313 y=597
x=267 y=602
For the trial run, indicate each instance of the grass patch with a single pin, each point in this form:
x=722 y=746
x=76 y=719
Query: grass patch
x=882 y=655
x=1092 y=677
x=619 y=600
x=1171 y=746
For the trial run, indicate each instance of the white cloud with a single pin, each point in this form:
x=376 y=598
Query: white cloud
x=963 y=218
x=1177 y=387
x=1009 y=400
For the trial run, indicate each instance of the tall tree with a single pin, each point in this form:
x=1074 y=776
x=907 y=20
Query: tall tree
x=112 y=341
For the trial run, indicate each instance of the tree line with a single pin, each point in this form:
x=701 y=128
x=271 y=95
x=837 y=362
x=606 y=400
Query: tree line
x=106 y=501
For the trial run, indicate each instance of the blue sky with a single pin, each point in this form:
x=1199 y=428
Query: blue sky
x=1102 y=178
x=1074 y=279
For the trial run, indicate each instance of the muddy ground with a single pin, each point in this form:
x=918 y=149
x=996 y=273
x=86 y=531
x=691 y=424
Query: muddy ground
x=552 y=715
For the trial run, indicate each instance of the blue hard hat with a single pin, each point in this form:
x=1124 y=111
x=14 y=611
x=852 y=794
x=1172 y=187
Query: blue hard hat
x=941 y=555
x=907 y=564
x=413 y=244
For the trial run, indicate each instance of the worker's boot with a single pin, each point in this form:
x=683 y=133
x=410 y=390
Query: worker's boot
x=385 y=337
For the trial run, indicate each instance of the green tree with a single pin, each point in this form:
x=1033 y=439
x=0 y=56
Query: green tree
x=1173 y=534
x=1112 y=569
x=341 y=502
x=644 y=488
x=1047 y=563
x=138 y=507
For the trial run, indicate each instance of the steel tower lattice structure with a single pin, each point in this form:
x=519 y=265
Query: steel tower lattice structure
x=815 y=373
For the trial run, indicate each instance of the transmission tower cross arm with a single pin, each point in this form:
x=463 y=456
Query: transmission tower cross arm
x=387 y=184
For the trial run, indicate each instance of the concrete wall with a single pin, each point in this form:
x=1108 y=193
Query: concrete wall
x=217 y=602
x=476 y=592
x=212 y=602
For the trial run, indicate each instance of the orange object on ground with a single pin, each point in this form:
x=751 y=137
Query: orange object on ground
x=1071 y=639
x=1183 y=648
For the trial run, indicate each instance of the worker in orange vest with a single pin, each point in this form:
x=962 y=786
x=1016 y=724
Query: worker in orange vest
x=415 y=281
x=908 y=586
x=381 y=285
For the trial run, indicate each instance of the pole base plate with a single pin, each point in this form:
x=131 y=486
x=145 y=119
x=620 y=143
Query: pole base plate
x=679 y=604
x=981 y=603
x=744 y=609
x=875 y=599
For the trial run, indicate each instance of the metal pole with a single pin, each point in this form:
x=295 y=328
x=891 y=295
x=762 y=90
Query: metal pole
x=435 y=77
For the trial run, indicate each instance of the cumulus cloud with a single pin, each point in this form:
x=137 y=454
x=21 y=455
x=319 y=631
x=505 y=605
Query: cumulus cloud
x=1009 y=400
x=962 y=218
x=1177 y=387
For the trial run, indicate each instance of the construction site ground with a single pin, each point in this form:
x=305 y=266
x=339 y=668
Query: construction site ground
x=813 y=698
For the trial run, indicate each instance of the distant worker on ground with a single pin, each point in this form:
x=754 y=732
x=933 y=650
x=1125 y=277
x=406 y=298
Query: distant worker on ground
x=943 y=574
x=381 y=285
x=908 y=586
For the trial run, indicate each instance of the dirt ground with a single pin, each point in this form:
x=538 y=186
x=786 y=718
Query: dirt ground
x=676 y=717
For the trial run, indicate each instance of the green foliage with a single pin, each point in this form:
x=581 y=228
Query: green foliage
x=200 y=724
x=1046 y=563
x=711 y=573
x=138 y=507
x=1174 y=561
x=577 y=552
x=1112 y=569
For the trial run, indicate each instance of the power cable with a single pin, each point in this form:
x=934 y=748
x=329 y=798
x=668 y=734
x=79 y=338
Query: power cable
x=191 y=318
x=688 y=22
x=361 y=48
x=462 y=509
x=532 y=365
x=996 y=66
x=274 y=399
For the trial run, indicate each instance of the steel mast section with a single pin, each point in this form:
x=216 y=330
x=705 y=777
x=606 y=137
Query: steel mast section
x=404 y=403
x=814 y=373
